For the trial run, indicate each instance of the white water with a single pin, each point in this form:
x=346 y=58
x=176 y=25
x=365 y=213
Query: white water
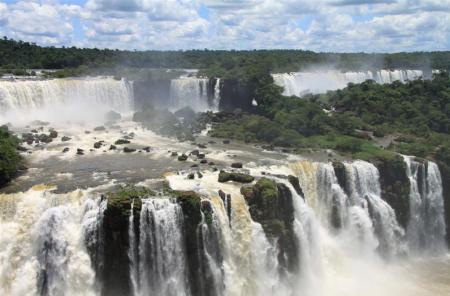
x=42 y=243
x=161 y=258
x=62 y=100
x=189 y=92
x=300 y=83
x=426 y=229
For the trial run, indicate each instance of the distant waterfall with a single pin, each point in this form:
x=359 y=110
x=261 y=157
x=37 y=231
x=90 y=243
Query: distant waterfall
x=189 y=92
x=301 y=83
x=426 y=229
x=64 y=98
x=161 y=258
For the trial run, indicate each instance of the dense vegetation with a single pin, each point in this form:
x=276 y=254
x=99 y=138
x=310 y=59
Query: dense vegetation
x=10 y=160
x=76 y=61
x=368 y=120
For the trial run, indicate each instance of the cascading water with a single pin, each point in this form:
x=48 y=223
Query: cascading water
x=189 y=92
x=161 y=258
x=42 y=246
x=426 y=228
x=64 y=99
x=365 y=188
x=300 y=83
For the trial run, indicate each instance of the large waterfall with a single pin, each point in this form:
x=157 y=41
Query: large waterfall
x=300 y=83
x=64 y=99
x=200 y=94
x=344 y=237
x=45 y=241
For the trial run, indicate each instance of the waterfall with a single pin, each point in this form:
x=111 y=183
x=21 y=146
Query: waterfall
x=426 y=229
x=64 y=99
x=217 y=97
x=189 y=92
x=365 y=187
x=42 y=246
x=301 y=83
x=161 y=258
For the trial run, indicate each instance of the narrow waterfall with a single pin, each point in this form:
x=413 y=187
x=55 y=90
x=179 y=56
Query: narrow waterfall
x=216 y=102
x=64 y=99
x=301 y=83
x=426 y=229
x=189 y=92
x=161 y=258
x=43 y=248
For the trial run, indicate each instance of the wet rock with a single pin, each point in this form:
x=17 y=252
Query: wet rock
x=202 y=146
x=199 y=175
x=98 y=145
x=211 y=142
x=112 y=147
x=34 y=131
x=44 y=138
x=236 y=177
x=80 y=151
x=211 y=163
x=194 y=165
x=87 y=132
x=22 y=149
x=28 y=138
x=147 y=149
x=65 y=139
x=195 y=152
x=271 y=205
x=128 y=150
x=65 y=150
x=100 y=128
x=296 y=184
x=182 y=157
x=226 y=141
x=173 y=154
x=203 y=161
x=122 y=142
x=53 y=134
x=201 y=156
x=236 y=165
x=191 y=176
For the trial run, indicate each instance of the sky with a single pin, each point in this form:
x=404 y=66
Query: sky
x=319 y=25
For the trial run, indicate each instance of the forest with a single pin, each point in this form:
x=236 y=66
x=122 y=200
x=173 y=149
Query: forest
x=25 y=55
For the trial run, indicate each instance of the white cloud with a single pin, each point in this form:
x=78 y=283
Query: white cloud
x=321 y=25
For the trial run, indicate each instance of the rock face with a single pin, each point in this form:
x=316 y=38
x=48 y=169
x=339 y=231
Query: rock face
x=271 y=204
x=115 y=270
x=395 y=187
x=236 y=177
x=341 y=175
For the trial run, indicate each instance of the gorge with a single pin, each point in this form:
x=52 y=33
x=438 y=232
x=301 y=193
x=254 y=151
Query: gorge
x=302 y=225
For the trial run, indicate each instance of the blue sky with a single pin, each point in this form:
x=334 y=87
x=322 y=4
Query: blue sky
x=320 y=25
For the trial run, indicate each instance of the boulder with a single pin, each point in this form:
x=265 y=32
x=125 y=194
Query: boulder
x=203 y=161
x=122 y=142
x=235 y=177
x=100 y=128
x=53 y=134
x=80 y=151
x=182 y=157
x=128 y=150
x=236 y=165
x=112 y=147
x=65 y=139
x=98 y=145
x=147 y=149
x=65 y=150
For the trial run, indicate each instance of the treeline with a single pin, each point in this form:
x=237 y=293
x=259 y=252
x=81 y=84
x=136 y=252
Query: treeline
x=10 y=159
x=24 y=55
